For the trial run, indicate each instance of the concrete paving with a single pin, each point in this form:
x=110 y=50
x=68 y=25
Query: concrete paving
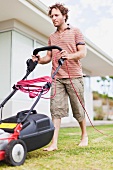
x=93 y=123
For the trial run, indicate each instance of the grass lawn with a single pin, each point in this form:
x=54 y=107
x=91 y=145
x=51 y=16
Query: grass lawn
x=98 y=155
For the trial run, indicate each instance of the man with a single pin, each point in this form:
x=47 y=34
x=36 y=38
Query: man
x=69 y=78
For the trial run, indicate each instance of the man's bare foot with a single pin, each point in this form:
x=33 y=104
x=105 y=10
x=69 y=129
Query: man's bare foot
x=84 y=141
x=51 y=148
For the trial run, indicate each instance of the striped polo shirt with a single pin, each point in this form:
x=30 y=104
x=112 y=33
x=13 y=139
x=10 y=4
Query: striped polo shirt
x=67 y=40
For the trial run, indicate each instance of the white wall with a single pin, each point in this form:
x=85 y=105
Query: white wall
x=5 y=65
x=88 y=99
x=14 y=68
x=5 y=69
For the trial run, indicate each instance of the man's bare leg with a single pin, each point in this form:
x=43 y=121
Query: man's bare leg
x=53 y=146
x=84 y=136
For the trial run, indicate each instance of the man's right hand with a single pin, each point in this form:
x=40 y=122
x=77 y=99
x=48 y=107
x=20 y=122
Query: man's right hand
x=36 y=58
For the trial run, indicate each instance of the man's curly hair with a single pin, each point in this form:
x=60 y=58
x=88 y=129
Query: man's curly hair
x=63 y=10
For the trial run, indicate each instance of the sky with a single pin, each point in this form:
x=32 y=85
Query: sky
x=95 y=19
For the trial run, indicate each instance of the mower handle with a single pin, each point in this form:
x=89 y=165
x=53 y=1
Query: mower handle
x=60 y=61
x=46 y=48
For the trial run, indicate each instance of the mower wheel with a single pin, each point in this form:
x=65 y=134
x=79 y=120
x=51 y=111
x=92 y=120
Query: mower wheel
x=15 y=153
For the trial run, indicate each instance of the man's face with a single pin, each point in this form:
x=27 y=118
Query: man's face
x=57 y=18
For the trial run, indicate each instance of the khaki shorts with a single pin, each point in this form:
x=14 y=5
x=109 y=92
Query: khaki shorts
x=59 y=104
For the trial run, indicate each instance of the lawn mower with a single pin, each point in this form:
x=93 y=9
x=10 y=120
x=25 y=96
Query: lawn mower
x=27 y=130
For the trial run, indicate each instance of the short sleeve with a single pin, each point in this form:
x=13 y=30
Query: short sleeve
x=79 y=38
x=49 y=42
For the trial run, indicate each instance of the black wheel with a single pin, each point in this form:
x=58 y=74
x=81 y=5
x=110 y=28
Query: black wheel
x=15 y=153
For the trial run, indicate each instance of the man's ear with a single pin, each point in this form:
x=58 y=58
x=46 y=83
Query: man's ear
x=64 y=17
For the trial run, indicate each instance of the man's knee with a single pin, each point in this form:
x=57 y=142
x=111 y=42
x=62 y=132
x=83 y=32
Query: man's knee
x=79 y=117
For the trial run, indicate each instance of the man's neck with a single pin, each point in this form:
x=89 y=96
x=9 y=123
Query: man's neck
x=62 y=28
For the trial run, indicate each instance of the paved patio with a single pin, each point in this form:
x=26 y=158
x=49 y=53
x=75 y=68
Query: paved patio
x=94 y=123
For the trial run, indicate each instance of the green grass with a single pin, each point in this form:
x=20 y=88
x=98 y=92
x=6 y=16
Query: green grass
x=98 y=155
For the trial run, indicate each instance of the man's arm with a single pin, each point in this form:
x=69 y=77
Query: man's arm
x=81 y=53
x=43 y=60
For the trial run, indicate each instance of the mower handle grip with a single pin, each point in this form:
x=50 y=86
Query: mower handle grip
x=46 y=48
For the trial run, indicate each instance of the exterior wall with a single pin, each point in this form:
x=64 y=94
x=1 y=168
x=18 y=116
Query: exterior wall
x=88 y=99
x=5 y=67
x=16 y=46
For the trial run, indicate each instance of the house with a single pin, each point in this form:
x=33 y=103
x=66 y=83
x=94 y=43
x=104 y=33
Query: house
x=24 y=26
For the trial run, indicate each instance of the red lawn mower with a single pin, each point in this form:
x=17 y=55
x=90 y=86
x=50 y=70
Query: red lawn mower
x=27 y=130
